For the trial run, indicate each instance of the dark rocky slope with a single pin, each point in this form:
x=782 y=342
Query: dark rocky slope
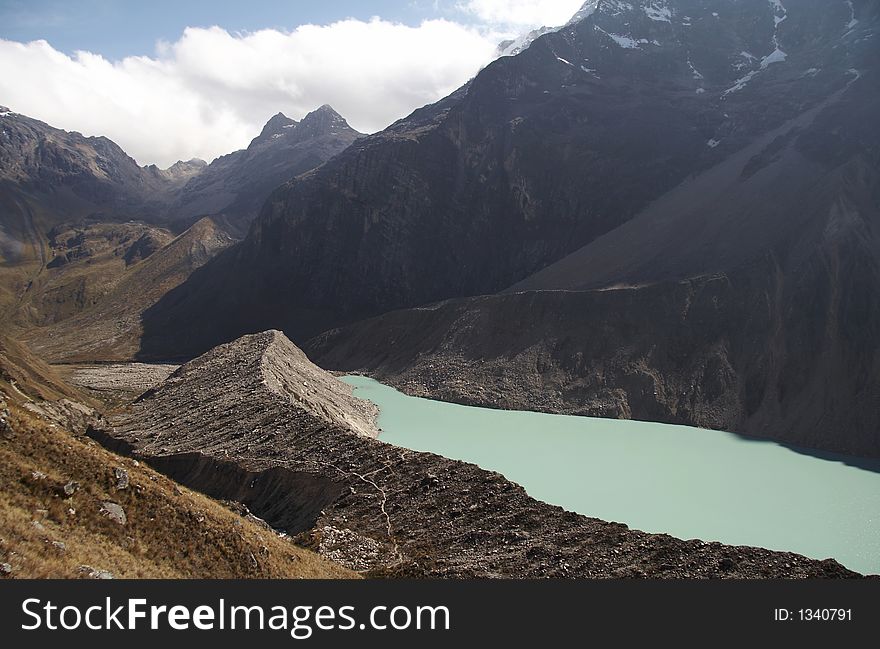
x=745 y=352
x=536 y=157
x=255 y=421
x=746 y=299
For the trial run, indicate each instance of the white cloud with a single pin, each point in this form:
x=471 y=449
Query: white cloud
x=210 y=92
x=522 y=13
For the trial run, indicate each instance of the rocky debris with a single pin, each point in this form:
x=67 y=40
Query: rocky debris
x=121 y=476
x=348 y=548
x=114 y=512
x=132 y=378
x=70 y=415
x=94 y=573
x=5 y=427
x=59 y=545
x=70 y=487
x=381 y=507
x=5 y=569
x=268 y=365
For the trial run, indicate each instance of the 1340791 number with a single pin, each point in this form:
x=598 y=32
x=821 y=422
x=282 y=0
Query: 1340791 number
x=825 y=614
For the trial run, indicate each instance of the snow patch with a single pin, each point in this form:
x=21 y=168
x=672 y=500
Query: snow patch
x=741 y=83
x=713 y=143
x=779 y=16
x=591 y=71
x=779 y=12
x=559 y=58
x=852 y=16
x=658 y=11
x=5 y=113
x=624 y=41
x=694 y=71
x=812 y=72
x=777 y=56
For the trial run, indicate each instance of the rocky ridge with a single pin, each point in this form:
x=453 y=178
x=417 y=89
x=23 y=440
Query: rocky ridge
x=253 y=421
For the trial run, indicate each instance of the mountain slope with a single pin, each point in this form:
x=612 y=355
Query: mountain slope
x=109 y=328
x=235 y=186
x=539 y=155
x=76 y=175
x=745 y=299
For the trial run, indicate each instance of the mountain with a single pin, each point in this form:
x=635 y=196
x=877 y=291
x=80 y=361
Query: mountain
x=74 y=174
x=680 y=198
x=539 y=155
x=65 y=197
x=234 y=187
x=521 y=43
x=49 y=177
x=746 y=298
x=79 y=176
x=78 y=214
x=181 y=171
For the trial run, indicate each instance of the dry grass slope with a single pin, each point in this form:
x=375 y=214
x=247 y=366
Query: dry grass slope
x=54 y=523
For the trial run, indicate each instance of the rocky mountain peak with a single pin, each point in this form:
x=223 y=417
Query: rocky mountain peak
x=324 y=120
x=515 y=46
x=182 y=165
x=185 y=169
x=276 y=126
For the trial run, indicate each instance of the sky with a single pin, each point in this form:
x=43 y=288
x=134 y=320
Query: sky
x=170 y=80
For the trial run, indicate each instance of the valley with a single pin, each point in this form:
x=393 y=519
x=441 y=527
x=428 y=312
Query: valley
x=629 y=271
x=254 y=421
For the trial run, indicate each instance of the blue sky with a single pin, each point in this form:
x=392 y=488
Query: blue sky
x=119 y=28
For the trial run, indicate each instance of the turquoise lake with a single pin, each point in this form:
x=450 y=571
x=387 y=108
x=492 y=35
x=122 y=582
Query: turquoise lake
x=687 y=482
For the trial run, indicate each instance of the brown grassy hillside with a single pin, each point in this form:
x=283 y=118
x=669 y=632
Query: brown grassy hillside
x=58 y=490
